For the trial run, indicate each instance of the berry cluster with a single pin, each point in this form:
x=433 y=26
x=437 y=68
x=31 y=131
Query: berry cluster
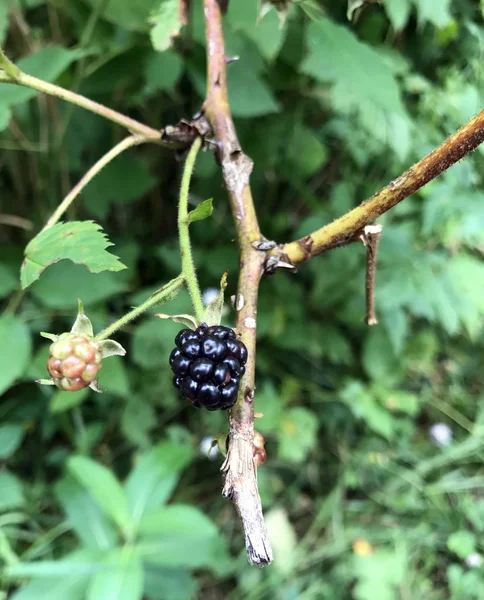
x=74 y=361
x=208 y=364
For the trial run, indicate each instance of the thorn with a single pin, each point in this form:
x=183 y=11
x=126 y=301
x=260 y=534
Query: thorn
x=231 y=59
x=371 y=238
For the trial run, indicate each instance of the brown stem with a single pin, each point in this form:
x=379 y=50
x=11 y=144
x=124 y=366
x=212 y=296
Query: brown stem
x=349 y=227
x=371 y=238
x=239 y=469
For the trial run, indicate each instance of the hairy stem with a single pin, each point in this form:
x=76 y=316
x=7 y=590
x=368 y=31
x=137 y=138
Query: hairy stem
x=239 y=469
x=188 y=266
x=165 y=294
x=133 y=140
x=29 y=81
x=350 y=226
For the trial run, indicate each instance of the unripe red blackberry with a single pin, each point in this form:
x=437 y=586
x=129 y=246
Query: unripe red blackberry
x=259 y=452
x=208 y=364
x=74 y=361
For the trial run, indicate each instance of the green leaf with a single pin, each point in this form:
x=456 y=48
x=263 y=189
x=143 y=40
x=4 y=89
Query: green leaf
x=364 y=405
x=132 y=15
x=15 y=350
x=299 y=427
x=62 y=401
x=283 y=539
x=462 y=543
x=306 y=151
x=123 y=180
x=154 y=477
x=11 y=493
x=78 y=563
x=105 y=489
x=202 y=211
x=11 y=436
x=186 y=320
x=437 y=13
x=249 y=95
x=63 y=283
x=3 y=21
x=72 y=587
x=398 y=12
x=80 y=241
x=178 y=519
x=162 y=71
x=113 y=377
x=268 y=35
x=47 y=64
x=355 y=69
x=85 y=516
x=166 y=24
x=121 y=579
x=175 y=584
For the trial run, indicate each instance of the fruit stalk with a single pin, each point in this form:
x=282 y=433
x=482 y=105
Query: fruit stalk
x=188 y=266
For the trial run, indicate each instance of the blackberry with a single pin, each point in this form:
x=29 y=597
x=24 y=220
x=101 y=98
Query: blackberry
x=207 y=364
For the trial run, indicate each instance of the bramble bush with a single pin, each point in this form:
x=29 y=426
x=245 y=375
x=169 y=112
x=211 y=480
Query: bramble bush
x=373 y=484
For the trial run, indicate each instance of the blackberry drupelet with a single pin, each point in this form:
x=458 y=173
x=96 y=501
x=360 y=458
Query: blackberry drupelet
x=208 y=364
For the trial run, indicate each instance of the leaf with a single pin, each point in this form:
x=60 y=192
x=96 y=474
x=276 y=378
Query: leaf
x=85 y=516
x=306 y=151
x=249 y=95
x=3 y=21
x=162 y=71
x=121 y=579
x=138 y=419
x=186 y=320
x=398 y=13
x=62 y=401
x=166 y=24
x=175 y=584
x=154 y=477
x=11 y=436
x=15 y=350
x=212 y=315
x=462 y=543
x=355 y=69
x=132 y=15
x=78 y=563
x=79 y=241
x=268 y=35
x=364 y=405
x=437 y=13
x=124 y=180
x=177 y=518
x=11 y=493
x=113 y=377
x=105 y=489
x=202 y=211
x=47 y=64
x=299 y=427
x=72 y=587
x=283 y=539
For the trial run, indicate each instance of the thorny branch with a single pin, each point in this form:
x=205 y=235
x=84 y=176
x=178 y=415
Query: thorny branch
x=349 y=227
x=239 y=468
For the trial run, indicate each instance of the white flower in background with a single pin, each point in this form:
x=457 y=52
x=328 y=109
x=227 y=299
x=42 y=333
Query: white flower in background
x=209 y=295
x=440 y=434
x=207 y=449
x=474 y=560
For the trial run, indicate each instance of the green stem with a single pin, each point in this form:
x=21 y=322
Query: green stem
x=11 y=70
x=166 y=293
x=188 y=266
x=133 y=140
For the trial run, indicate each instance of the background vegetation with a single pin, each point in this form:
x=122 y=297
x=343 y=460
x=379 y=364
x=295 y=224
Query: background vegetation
x=364 y=497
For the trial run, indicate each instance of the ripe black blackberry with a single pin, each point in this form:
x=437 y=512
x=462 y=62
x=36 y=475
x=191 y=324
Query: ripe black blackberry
x=208 y=364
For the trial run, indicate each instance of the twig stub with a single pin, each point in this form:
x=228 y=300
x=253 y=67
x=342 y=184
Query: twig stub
x=371 y=238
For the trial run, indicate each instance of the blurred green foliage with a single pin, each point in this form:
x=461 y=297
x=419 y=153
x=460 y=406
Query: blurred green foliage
x=109 y=496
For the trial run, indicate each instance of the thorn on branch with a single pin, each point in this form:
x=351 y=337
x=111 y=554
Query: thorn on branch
x=231 y=59
x=371 y=238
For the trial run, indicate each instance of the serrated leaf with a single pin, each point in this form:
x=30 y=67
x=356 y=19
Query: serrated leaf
x=104 y=487
x=15 y=350
x=186 y=320
x=202 y=211
x=166 y=24
x=81 y=242
x=213 y=313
